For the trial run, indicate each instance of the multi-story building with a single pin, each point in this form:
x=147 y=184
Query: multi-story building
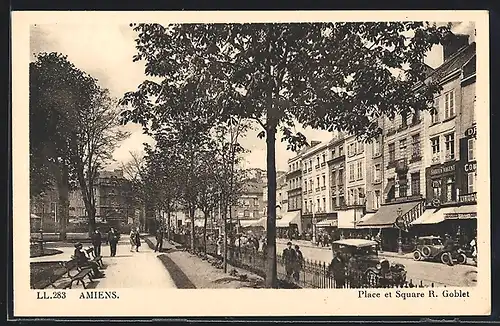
x=316 y=180
x=336 y=172
x=294 y=179
x=375 y=172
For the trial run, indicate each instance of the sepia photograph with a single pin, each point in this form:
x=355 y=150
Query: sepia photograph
x=239 y=154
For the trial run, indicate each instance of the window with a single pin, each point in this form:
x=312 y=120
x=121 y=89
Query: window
x=324 y=203
x=310 y=185
x=403 y=185
x=317 y=159
x=435 y=149
x=360 y=147
x=450 y=189
x=402 y=148
x=256 y=202
x=311 y=205
x=305 y=185
x=341 y=177
x=392 y=152
x=415 y=183
x=289 y=167
x=324 y=158
x=360 y=170
x=350 y=200
x=449 y=105
x=471 y=182
x=376 y=199
x=435 y=114
x=318 y=207
x=333 y=153
x=324 y=181
x=341 y=150
x=351 y=172
x=376 y=147
x=317 y=182
x=436 y=188
x=255 y=213
x=247 y=202
x=334 y=178
x=416 y=117
x=470 y=149
x=356 y=197
x=305 y=205
x=334 y=201
x=415 y=152
x=377 y=170
x=404 y=119
x=449 y=143
x=247 y=213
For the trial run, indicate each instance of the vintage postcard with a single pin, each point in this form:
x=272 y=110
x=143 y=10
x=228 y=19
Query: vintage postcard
x=251 y=163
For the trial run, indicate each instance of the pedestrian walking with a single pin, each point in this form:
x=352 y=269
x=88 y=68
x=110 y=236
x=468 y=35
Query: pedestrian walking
x=299 y=263
x=96 y=242
x=113 y=237
x=337 y=269
x=449 y=246
x=137 y=239
x=289 y=259
x=159 y=240
x=132 y=240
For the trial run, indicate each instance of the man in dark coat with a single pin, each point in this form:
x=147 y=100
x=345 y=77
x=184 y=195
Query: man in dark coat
x=83 y=261
x=96 y=242
x=449 y=246
x=159 y=240
x=113 y=237
x=299 y=263
x=289 y=259
x=338 y=270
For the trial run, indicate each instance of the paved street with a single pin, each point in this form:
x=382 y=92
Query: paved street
x=428 y=272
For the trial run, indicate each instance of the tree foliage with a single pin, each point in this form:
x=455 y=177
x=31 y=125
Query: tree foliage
x=329 y=76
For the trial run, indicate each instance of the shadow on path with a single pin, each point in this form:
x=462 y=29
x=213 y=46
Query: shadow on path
x=180 y=279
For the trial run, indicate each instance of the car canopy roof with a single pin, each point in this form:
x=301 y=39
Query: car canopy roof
x=356 y=242
x=430 y=237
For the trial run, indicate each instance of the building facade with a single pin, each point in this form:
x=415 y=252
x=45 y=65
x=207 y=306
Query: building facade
x=375 y=172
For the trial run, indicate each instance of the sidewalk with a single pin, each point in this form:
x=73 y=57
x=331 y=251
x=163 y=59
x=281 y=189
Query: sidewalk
x=305 y=243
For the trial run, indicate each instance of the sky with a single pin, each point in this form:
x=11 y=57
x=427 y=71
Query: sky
x=105 y=51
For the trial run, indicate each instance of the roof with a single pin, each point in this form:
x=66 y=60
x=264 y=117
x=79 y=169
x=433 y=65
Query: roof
x=456 y=61
x=356 y=242
x=430 y=237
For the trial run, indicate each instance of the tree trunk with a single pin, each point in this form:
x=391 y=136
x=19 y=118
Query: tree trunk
x=205 y=232
x=193 y=236
x=271 y=271
x=168 y=223
x=63 y=207
x=224 y=215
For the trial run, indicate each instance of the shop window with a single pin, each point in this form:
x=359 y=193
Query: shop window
x=450 y=189
x=392 y=152
x=436 y=189
x=415 y=184
x=449 y=142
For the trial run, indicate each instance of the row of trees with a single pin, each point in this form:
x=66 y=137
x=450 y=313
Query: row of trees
x=329 y=76
x=74 y=128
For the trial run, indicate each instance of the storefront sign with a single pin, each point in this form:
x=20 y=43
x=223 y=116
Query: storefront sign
x=471 y=132
x=459 y=216
x=470 y=167
x=467 y=198
x=444 y=169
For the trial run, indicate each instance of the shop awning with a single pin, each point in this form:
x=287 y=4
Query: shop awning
x=462 y=213
x=364 y=218
x=288 y=218
x=347 y=219
x=386 y=215
x=253 y=223
x=328 y=223
x=426 y=218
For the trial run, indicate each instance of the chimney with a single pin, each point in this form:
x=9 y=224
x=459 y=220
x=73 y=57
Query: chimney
x=453 y=43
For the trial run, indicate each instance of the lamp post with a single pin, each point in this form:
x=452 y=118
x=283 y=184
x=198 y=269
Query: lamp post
x=400 y=241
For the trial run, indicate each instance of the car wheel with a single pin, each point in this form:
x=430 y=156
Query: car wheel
x=426 y=251
x=445 y=258
x=462 y=259
x=417 y=255
x=371 y=279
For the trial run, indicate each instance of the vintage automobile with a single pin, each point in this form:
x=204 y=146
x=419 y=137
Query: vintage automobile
x=432 y=248
x=371 y=270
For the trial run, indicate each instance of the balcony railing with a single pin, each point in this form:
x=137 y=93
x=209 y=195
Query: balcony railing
x=309 y=170
x=316 y=166
x=323 y=164
x=468 y=198
x=310 y=191
x=323 y=188
x=317 y=189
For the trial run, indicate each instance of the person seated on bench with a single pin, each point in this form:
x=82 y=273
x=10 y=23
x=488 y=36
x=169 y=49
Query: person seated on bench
x=83 y=260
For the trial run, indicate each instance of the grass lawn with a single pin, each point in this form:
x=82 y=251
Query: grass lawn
x=43 y=270
x=35 y=251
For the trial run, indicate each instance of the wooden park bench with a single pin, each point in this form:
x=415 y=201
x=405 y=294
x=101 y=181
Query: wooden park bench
x=96 y=259
x=76 y=273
